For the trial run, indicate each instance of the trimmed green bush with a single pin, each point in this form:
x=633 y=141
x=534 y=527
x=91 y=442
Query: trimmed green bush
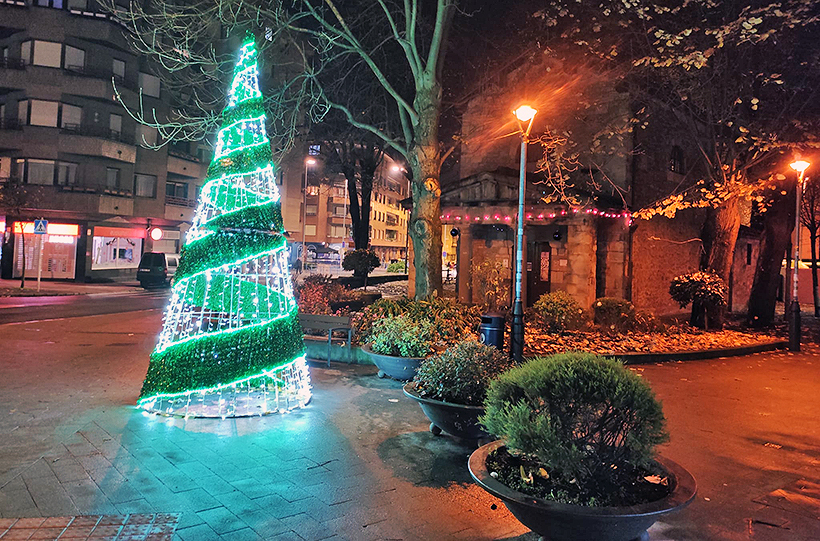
x=558 y=311
x=704 y=287
x=462 y=373
x=588 y=420
x=396 y=266
x=362 y=262
x=401 y=336
x=613 y=313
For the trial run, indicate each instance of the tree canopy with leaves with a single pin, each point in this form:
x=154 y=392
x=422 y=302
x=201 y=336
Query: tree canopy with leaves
x=738 y=77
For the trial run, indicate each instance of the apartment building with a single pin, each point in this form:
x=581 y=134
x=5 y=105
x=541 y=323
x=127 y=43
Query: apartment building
x=91 y=170
x=327 y=222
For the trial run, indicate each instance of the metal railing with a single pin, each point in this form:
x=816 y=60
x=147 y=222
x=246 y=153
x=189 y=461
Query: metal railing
x=10 y=124
x=180 y=201
x=183 y=155
x=97 y=131
x=12 y=63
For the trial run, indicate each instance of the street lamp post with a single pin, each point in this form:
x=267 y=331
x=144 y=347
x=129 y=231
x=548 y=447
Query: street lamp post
x=524 y=114
x=794 y=307
x=308 y=163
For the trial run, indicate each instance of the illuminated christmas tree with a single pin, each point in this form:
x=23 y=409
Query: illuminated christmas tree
x=231 y=343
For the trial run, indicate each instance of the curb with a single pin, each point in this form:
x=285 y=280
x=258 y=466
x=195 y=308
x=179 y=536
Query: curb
x=699 y=354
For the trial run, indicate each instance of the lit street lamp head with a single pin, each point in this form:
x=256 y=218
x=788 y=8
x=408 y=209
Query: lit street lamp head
x=800 y=165
x=525 y=113
x=310 y=161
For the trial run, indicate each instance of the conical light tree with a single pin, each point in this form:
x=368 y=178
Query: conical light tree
x=231 y=343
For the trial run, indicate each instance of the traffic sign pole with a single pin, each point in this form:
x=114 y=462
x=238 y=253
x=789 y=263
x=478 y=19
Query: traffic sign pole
x=40 y=264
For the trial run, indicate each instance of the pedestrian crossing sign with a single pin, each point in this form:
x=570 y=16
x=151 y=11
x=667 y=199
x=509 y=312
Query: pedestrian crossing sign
x=40 y=227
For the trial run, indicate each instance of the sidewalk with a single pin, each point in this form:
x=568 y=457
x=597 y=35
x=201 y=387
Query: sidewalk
x=359 y=463
x=11 y=288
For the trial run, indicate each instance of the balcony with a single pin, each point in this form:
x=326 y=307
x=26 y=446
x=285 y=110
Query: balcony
x=391 y=219
x=180 y=201
x=10 y=124
x=183 y=167
x=12 y=64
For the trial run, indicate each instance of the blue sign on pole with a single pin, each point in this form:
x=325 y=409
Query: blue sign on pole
x=40 y=227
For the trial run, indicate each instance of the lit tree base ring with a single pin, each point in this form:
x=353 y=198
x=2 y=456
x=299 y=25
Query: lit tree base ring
x=277 y=391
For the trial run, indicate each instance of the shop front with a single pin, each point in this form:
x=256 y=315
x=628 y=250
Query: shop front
x=58 y=246
x=115 y=251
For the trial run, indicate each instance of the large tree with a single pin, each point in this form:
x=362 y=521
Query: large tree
x=399 y=46
x=737 y=76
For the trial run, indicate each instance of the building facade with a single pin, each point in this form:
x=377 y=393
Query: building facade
x=324 y=205
x=97 y=176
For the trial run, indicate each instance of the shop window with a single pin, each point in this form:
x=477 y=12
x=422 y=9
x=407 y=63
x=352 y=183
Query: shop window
x=116 y=253
x=71 y=117
x=676 y=160
x=145 y=185
x=118 y=69
x=66 y=173
x=57 y=4
x=149 y=84
x=47 y=53
x=74 y=59
x=112 y=178
x=40 y=172
x=77 y=5
x=311 y=210
x=310 y=230
x=176 y=189
x=43 y=113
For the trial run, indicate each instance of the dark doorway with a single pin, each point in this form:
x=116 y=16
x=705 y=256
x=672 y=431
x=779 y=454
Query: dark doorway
x=539 y=266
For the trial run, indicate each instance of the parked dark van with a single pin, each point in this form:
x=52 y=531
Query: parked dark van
x=157 y=269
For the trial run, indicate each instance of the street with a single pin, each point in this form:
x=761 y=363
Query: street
x=26 y=309
x=360 y=455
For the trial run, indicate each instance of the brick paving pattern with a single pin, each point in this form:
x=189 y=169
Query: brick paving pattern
x=138 y=527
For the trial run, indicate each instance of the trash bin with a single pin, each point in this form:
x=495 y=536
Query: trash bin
x=491 y=330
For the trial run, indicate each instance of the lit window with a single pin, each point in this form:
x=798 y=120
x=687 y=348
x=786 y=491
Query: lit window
x=74 y=59
x=313 y=190
x=112 y=178
x=66 y=173
x=310 y=230
x=40 y=172
x=311 y=210
x=71 y=117
x=145 y=185
x=43 y=113
x=47 y=53
x=118 y=69
x=314 y=150
x=149 y=84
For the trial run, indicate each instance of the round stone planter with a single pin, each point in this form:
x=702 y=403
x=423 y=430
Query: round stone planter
x=456 y=419
x=564 y=522
x=401 y=368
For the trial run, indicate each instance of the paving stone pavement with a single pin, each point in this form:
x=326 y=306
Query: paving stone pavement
x=359 y=463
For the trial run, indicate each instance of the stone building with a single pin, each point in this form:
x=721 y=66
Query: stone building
x=580 y=235
x=102 y=187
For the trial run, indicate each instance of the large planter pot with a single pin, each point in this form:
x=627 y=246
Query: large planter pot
x=564 y=522
x=456 y=419
x=401 y=368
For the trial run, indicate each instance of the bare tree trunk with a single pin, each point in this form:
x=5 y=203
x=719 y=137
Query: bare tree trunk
x=720 y=236
x=778 y=222
x=814 y=286
x=425 y=219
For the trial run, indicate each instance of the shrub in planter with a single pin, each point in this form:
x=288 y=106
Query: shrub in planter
x=316 y=293
x=613 y=313
x=461 y=373
x=579 y=429
x=402 y=336
x=452 y=321
x=362 y=262
x=396 y=266
x=704 y=290
x=558 y=311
